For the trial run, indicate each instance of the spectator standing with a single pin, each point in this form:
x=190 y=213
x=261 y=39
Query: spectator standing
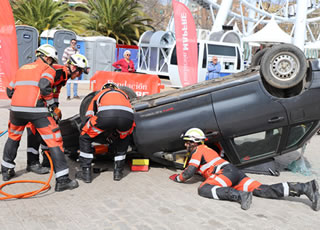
x=214 y=69
x=70 y=50
x=125 y=64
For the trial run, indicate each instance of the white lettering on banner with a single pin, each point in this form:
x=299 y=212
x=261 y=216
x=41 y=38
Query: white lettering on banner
x=185 y=42
x=138 y=88
x=6 y=29
x=140 y=94
x=184 y=23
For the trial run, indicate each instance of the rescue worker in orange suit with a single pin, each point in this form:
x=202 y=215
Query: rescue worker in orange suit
x=224 y=181
x=74 y=67
x=108 y=113
x=36 y=81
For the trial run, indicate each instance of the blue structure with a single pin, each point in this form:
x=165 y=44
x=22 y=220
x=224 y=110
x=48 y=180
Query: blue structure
x=81 y=46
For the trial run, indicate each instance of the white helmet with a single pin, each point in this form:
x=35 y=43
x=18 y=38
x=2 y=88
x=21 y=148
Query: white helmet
x=48 y=51
x=195 y=135
x=80 y=61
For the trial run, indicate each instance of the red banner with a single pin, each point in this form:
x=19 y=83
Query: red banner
x=142 y=84
x=186 y=43
x=8 y=47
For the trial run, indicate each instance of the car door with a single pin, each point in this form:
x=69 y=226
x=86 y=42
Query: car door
x=250 y=121
x=159 y=128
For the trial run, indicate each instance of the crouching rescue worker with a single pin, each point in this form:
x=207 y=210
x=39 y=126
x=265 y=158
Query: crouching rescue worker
x=109 y=112
x=31 y=100
x=74 y=67
x=224 y=181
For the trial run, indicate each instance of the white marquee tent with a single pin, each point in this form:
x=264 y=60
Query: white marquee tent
x=270 y=33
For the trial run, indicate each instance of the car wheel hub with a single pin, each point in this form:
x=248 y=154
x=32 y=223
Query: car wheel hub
x=284 y=67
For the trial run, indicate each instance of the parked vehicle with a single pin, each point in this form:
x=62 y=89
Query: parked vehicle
x=251 y=119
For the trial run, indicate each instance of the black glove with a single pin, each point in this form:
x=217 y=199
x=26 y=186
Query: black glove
x=112 y=137
x=10 y=92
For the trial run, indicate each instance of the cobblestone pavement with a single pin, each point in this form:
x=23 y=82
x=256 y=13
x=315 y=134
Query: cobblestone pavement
x=148 y=200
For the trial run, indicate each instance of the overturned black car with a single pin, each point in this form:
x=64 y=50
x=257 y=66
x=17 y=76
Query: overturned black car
x=255 y=115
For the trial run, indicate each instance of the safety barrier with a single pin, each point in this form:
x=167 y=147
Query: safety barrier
x=142 y=84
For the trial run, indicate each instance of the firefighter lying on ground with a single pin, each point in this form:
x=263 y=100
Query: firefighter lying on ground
x=109 y=113
x=224 y=181
x=31 y=100
x=74 y=67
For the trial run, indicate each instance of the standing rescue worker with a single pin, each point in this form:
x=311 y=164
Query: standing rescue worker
x=109 y=112
x=31 y=100
x=224 y=181
x=74 y=67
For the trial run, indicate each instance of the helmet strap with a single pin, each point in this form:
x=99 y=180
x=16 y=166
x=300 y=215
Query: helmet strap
x=69 y=75
x=192 y=147
x=71 y=72
x=41 y=57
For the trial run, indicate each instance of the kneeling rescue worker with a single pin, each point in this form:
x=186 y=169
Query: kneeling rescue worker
x=31 y=100
x=224 y=181
x=74 y=67
x=109 y=113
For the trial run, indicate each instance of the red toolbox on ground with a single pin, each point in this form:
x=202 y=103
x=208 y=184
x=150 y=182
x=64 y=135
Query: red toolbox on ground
x=139 y=165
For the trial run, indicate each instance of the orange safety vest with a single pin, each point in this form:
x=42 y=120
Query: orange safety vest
x=206 y=159
x=109 y=99
x=26 y=87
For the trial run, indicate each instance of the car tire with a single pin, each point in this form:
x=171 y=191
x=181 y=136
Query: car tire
x=85 y=104
x=131 y=94
x=283 y=66
x=256 y=59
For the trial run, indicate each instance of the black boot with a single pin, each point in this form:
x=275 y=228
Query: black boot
x=64 y=183
x=312 y=192
x=7 y=173
x=310 y=189
x=118 y=170
x=37 y=168
x=244 y=198
x=85 y=174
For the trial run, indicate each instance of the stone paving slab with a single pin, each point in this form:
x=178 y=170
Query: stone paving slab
x=148 y=200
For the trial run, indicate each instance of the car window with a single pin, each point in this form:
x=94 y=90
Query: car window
x=258 y=144
x=297 y=133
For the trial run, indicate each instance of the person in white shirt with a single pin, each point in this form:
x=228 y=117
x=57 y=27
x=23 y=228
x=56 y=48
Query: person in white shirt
x=70 y=50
